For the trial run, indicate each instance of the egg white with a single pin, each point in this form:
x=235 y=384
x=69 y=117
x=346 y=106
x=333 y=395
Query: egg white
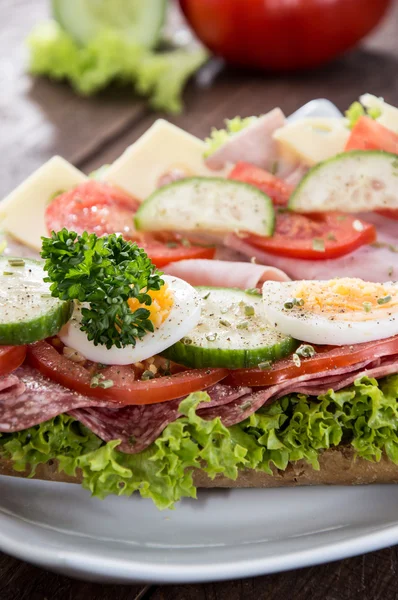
x=183 y=317
x=316 y=328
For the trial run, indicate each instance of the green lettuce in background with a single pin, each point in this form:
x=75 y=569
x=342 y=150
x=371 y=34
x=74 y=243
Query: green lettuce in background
x=109 y=57
x=295 y=427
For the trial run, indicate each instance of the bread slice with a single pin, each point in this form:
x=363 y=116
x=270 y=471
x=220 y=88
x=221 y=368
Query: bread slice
x=339 y=466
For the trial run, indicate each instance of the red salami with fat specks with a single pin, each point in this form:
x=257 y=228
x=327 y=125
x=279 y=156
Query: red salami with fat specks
x=27 y=399
x=138 y=426
x=311 y=385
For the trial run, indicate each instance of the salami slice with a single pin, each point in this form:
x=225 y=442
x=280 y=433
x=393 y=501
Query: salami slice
x=27 y=398
x=138 y=426
x=239 y=410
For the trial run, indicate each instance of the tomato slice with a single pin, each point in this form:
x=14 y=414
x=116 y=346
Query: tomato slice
x=368 y=134
x=315 y=236
x=326 y=358
x=11 y=357
x=94 y=206
x=173 y=250
x=390 y=213
x=100 y=208
x=126 y=389
x=277 y=189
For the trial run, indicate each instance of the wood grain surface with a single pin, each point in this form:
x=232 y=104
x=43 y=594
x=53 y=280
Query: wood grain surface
x=39 y=118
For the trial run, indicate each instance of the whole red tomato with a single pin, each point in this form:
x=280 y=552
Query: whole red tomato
x=282 y=34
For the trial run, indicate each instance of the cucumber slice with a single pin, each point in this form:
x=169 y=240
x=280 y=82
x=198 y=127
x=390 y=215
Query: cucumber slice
x=140 y=21
x=232 y=333
x=28 y=312
x=209 y=204
x=361 y=180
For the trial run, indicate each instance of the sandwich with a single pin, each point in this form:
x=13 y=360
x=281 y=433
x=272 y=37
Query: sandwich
x=139 y=354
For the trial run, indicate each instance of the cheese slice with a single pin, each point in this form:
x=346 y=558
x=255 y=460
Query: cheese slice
x=389 y=114
x=162 y=150
x=22 y=211
x=314 y=139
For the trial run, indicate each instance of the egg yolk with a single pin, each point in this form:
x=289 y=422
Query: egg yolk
x=341 y=296
x=162 y=303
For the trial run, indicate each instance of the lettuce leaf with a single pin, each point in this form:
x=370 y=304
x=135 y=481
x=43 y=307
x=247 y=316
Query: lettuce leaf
x=356 y=111
x=109 y=57
x=296 y=427
x=218 y=137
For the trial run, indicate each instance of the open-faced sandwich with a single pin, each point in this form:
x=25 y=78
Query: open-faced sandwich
x=207 y=314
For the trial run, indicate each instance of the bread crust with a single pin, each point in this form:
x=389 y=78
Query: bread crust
x=338 y=466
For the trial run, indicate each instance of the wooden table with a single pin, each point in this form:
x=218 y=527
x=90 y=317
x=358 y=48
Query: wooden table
x=39 y=119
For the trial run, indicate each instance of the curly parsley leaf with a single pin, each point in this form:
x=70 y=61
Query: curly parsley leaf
x=105 y=273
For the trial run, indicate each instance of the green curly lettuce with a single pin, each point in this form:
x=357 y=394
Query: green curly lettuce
x=356 y=111
x=296 y=427
x=109 y=57
x=218 y=137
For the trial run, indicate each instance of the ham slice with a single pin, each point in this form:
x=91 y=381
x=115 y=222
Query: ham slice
x=255 y=145
x=224 y=274
x=296 y=176
x=138 y=426
x=371 y=263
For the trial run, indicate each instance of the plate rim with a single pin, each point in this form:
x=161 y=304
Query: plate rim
x=97 y=567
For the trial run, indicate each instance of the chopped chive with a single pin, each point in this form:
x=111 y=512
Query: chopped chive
x=253 y=292
x=264 y=365
x=288 y=305
x=274 y=167
x=318 y=244
x=8 y=273
x=16 y=262
x=331 y=237
x=305 y=351
x=367 y=306
x=292 y=302
x=225 y=323
x=384 y=300
x=107 y=383
x=172 y=244
x=249 y=310
x=243 y=325
x=207 y=295
x=245 y=405
x=147 y=375
x=296 y=360
x=45 y=295
x=211 y=337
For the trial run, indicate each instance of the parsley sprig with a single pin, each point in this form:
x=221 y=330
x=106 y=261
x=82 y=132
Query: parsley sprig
x=103 y=272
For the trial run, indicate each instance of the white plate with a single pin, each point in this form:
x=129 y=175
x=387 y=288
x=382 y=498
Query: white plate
x=226 y=534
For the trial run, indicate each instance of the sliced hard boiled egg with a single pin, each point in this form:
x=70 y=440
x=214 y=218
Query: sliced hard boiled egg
x=175 y=311
x=337 y=312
